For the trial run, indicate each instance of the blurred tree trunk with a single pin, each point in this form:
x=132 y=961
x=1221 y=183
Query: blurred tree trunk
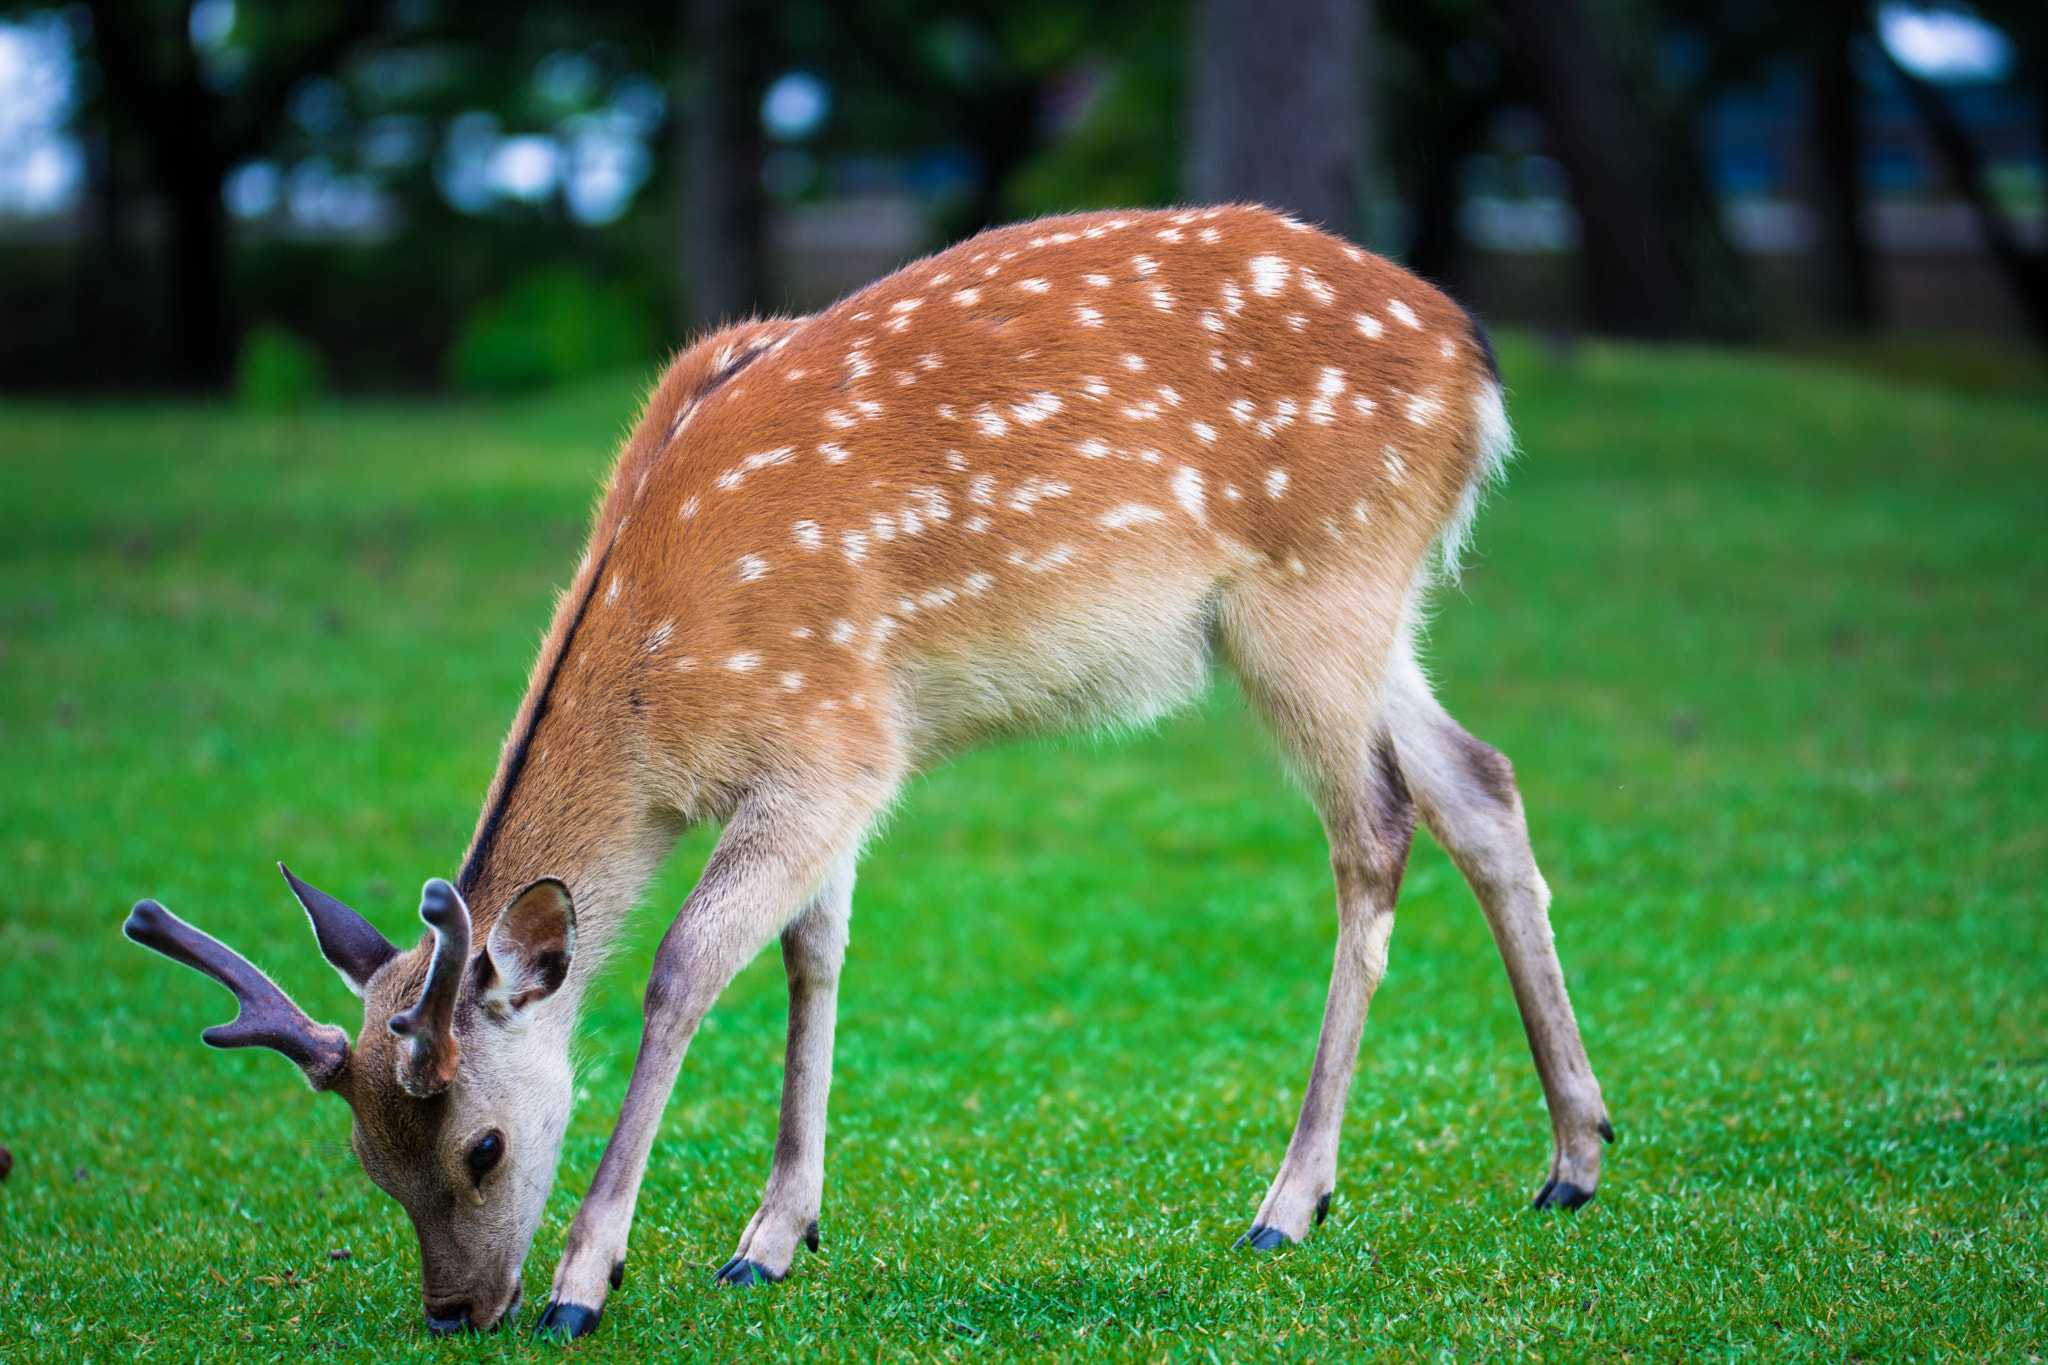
x=2025 y=271
x=1278 y=111
x=725 y=207
x=1843 y=266
x=188 y=136
x=1635 y=273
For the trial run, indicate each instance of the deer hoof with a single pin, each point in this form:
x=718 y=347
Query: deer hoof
x=741 y=1273
x=811 y=1236
x=1561 y=1194
x=567 y=1321
x=1263 y=1238
x=618 y=1274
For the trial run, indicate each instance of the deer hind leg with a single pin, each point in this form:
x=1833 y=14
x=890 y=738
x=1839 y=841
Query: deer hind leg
x=1311 y=662
x=813 y=950
x=1467 y=795
x=777 y=850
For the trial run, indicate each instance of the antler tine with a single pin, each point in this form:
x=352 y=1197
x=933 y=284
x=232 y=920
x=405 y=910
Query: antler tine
x=427 y=1064
x=265 y=1017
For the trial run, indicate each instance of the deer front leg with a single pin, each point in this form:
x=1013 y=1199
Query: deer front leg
x=813 y=950
x=770 y=861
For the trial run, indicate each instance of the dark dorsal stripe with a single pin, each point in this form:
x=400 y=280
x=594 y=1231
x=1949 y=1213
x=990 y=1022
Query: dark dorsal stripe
x=515 y=764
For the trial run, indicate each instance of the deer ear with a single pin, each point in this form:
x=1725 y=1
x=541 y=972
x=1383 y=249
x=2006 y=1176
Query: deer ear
x=350 y=943
x=526 y=959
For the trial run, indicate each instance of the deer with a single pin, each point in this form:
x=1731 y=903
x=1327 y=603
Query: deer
x=1051 y=479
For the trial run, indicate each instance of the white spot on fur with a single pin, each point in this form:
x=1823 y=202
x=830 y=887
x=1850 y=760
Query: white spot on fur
x=1058 y=557
x=1037 y=408
x=1187 y=491
x=743 y=663
x=1144 y=265
x=1242 y=409
x=976 y=524
x=929 y=361
x=1296 y=321
x=854 y=544
x=685 y=664
x=1033 y=491
x=1134 y=363
x=1323 y=410
x=611 y=594
x=1130 y=514
x=1034 y=286
x=1295 y=566
x=1216 y=361
x=1093 y=386
x=1170 y=235
x=1269 y=274
x=1205 y=432
x=1091 y=448
x=1425 y=408
x=981 y=490
x=1088 y=317
x=1369 y=325
x=1098 y=281
x=990 y=421
x=751 y=567
x=842 y=631
x=840 y=418
x=1317 y=290
x=792 y=682
x=800 y=633
x=688 y=509
x=967 y=298
x=975 y=584
x=1362 y=405
x=1161 y=299
x=1395 y=466
x=1212 y=322
x=833 y=452
x=1230 y=493
x=1276 y=483
x=807 y=534
x=1210 y=235
x=1402 y=313
x=658 y=637
x=1233 y=297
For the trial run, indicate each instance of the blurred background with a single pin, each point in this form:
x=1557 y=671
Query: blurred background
x=406 y=195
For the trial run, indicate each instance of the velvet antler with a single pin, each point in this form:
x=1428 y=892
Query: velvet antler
x=426 y=1063
x=266 y=1016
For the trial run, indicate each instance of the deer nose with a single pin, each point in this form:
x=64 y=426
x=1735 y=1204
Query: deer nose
x=456 y=1320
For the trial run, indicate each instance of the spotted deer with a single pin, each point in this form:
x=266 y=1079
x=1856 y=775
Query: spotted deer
x=1038 y=482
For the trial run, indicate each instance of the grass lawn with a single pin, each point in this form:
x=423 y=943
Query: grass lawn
x=1765 y=639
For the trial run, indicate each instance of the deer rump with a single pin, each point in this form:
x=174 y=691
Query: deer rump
x=1037 y=482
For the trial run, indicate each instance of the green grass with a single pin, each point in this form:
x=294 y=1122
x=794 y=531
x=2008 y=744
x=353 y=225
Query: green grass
x=1765 y=639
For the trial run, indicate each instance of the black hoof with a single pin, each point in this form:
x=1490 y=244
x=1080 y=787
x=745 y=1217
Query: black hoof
x=811 y=1236
x=741 y=1273
x=618 y=1273
x=1263 y=1238
x=567 y=1321
x=1562 y=1194
x=1322 y=1209
x=1607 y=1130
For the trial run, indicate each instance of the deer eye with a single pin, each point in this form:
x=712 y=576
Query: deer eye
x=484 y=1157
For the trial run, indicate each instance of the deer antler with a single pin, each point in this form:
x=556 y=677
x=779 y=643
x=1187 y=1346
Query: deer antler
x=427 y=1062
x=266 y=1016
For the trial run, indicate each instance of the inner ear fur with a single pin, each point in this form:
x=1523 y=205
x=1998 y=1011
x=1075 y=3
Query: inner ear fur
x=526 y=959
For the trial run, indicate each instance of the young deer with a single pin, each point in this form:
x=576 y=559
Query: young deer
x=1035 y=483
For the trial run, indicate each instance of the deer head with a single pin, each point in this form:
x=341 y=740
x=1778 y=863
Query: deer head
x=459 y=1090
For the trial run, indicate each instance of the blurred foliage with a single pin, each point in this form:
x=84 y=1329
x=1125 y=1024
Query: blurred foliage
x=553 y=326
x=278 y=370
